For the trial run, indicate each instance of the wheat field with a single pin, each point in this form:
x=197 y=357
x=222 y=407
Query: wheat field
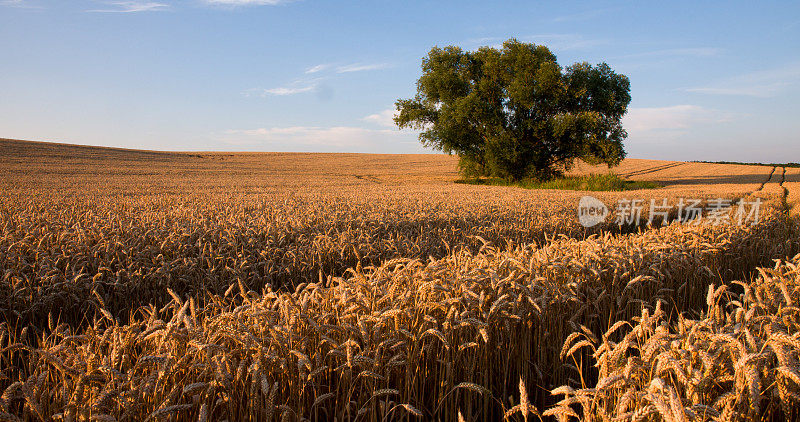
x=140 y=285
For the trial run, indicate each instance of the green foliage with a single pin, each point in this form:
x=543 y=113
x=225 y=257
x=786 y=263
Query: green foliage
x=514 y=113
x=591 y=182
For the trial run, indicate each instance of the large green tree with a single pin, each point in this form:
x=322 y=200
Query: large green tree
x=515 y=113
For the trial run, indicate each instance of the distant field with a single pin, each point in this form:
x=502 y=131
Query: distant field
x=66 y=169
x=143 y=285
x=73 y=167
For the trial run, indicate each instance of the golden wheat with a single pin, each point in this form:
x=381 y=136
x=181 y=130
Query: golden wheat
x=385 y=336
x=739 y=362
x=149 y=286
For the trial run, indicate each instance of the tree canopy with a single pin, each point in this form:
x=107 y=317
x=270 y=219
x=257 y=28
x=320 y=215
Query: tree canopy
x=515 y=113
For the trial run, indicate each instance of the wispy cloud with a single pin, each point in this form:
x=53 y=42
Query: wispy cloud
x=383 y=118
x=305 y=137
x=317 y=68
x=359 y=67
x=762 y=84
x=24 y=4
x=760 y=91
x=669 y=122
x=131 y=7
x=353 y=67
x=290 y=91
x=281 y=91
x=314 y=83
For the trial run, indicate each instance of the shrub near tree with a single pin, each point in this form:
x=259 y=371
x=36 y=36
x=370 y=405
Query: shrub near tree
x=515 y=113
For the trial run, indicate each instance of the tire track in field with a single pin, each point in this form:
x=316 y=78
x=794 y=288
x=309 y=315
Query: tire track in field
x=758 y=189
x=785 y=191
x=785 y=197
x=368 y=177
x=653 y=169
x=768 y=179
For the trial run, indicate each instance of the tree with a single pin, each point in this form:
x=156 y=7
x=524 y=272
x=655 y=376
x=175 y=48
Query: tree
x=515 y=113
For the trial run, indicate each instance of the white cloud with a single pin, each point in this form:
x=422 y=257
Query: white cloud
x=384 y=118
x=763 y=84
x=761 y=91
x=298 y=87
x=23 y=4
x=317 y=68
x=672 y=121
x=290 y=91
x=305 y=137
x=132 y=7
x=358 y=67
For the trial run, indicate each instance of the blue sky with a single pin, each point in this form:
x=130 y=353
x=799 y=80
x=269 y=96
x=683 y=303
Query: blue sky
x=709 y=80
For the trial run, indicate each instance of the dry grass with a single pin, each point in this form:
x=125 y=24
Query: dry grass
x=143 y=285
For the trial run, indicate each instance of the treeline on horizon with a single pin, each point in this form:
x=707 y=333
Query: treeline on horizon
x=748 y=164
